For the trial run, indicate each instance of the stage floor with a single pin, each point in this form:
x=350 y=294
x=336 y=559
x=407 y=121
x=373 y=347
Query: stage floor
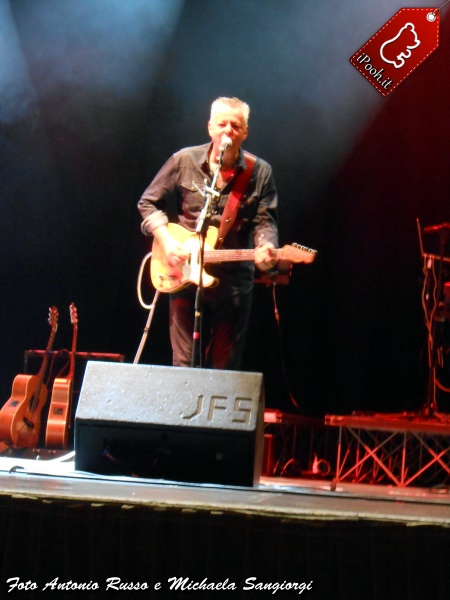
x=276 y=497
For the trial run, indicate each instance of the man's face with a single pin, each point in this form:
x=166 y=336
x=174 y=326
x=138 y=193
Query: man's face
x=230 y=122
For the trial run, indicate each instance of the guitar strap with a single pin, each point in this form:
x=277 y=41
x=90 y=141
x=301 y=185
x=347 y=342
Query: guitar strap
x=234 y=199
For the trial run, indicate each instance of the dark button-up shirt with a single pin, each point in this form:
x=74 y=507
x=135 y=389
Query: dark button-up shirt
x=178 y=186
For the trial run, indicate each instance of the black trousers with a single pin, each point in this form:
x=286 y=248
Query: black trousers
x=225 y=312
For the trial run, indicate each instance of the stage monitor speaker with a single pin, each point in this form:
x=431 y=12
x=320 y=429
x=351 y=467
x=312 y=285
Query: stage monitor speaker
x=171 y=423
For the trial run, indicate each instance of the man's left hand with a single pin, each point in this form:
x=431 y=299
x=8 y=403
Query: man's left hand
x=265 y=257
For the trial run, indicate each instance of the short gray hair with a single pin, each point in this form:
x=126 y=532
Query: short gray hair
x=233 y=103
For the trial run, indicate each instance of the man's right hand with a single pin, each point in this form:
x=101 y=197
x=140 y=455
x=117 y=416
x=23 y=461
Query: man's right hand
x=174 y=251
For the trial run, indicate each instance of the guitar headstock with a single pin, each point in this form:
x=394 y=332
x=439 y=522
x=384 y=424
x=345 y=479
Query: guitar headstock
x=73 y=314
x=296 y=253
x=53 y=318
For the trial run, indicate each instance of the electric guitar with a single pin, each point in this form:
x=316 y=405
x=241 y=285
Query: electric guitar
x=58 y=421
x=20 y=417
x=166 y=278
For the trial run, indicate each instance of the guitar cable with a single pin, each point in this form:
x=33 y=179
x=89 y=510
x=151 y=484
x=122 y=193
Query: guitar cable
x=150 y=308
x=281 y=345
x=146 y=258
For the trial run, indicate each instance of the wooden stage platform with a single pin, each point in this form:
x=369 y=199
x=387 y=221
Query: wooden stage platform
x=282 y=497
x=339 y=540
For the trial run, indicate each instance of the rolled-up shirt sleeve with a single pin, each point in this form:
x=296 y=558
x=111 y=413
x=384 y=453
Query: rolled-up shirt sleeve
x=266 y=221
x=153 y=202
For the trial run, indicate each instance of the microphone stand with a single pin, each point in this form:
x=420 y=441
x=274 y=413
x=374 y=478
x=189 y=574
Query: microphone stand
x=211 y=196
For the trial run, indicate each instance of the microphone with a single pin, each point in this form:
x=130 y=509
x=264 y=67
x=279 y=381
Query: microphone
x=225 y=143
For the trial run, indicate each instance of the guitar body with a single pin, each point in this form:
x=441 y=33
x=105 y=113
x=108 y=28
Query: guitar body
x=20 y=426
x=20 y=417
x=166 y=278
x=57 y=432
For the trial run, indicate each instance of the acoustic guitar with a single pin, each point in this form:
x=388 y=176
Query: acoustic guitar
x=20 y=417
x=59 y=414
x=166 y=278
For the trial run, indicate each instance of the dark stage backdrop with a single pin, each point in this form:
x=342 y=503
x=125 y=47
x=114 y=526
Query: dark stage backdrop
x=96 y=95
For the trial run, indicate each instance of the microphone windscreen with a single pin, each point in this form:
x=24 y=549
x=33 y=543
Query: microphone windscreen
x=225 y=143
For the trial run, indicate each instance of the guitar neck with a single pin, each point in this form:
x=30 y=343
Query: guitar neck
x=73 y=353
x=43 y=370
x=74 y=320
x=229 y=255
x=40 y=381
x=53 y=320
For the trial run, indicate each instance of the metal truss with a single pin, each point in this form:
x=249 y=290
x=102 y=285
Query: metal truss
x=395 y=451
